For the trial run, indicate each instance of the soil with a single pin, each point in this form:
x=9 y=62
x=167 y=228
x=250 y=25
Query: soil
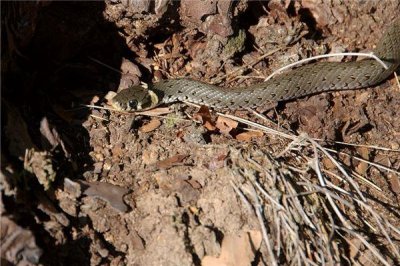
x=179 y=185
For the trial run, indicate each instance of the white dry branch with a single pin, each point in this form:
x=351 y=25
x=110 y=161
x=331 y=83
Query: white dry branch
x=370 y=55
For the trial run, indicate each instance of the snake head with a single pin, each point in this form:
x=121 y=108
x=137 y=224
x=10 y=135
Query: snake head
x=135 y=98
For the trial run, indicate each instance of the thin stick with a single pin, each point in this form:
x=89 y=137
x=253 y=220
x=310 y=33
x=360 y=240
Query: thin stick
x=98 y=107
x=258 y=209
x=105 y=65
x=397 y=80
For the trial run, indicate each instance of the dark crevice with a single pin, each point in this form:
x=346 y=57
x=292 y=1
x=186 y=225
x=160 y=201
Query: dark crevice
x=307 y=18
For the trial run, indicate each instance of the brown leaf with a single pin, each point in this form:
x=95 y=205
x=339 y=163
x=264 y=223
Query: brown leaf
x=363 y=166
x=204 y=116
x=152 y=125
x=394 y=183
x=355 y=245
x=209 y=126
x=194 y=184
x=328 y=163
x=170 y=162
x=247 y=136
x=180 y=133
x=51 y=135
x=225 y=125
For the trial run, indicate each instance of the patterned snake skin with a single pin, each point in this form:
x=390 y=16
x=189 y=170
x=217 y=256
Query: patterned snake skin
x=302 y=81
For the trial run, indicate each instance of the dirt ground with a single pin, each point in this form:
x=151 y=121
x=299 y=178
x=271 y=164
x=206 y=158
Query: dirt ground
x=182 y=185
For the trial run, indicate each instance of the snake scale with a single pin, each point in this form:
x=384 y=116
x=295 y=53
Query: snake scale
x=302 y=81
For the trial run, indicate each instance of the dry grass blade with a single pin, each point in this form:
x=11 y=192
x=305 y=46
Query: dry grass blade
x=379 y=166
x=98 y=117
x=340 y=168
x=101 y=107
x=397 y=80
x=300 y=216
x=267 y=240
x=296 y=140
x=358 y=145
x=258 y=210
x=370 y=55
x=379 y=221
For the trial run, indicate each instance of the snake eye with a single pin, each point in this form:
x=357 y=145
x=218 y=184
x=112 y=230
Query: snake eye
x=133 y=104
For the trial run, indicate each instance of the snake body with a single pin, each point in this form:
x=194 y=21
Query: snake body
x=302 y=81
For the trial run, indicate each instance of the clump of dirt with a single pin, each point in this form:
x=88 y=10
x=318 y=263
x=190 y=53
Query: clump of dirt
x=186 y=186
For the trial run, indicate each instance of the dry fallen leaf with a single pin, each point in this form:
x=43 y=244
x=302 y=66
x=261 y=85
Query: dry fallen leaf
x=362 y=167
x=209 y=126
x=170 y=162
x=236 y=250
x=51 y=134
x=152 y=125
x=204 y=116
x=329 y=165
x=247 y=136
x=355 y=245
x=394 y=183
x=180 y=133
x=225 y=125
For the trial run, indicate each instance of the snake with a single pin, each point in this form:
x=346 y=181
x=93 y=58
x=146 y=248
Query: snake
x=302 y=81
